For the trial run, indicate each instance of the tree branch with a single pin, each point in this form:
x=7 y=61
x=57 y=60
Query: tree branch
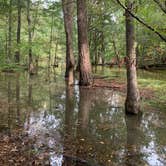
x=142 y=22
x=160 y=5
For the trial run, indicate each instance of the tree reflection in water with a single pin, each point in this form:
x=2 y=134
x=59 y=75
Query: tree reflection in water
x=79 y=126
x=134 y=136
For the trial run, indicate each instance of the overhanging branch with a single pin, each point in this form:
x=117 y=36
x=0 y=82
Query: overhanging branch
x=142 y=22
x=160 y=5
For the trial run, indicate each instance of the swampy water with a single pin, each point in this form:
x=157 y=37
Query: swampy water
x=77 y=126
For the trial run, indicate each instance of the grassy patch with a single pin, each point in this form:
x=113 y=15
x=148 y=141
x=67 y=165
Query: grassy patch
x=11 y=67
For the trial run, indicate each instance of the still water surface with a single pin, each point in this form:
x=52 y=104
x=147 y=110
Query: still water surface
x=80 y=126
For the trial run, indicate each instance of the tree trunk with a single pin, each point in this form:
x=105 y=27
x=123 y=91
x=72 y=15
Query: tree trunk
x=55 y=55
x=51 y=37
x=17 y=54
x=10 y=31
x=6 y=41
x=31 y=66
x=132 y=101
x=68 y=9
x=83 y=45
x=116 y=53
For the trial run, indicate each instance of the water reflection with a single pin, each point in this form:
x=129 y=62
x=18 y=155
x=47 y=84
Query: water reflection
x=134 y=137
x=69 y=124
x=74 y=126
x=18 y=97
x=9 y=105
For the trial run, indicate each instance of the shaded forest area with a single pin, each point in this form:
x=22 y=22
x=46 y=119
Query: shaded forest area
x=107 y=32
x=82 y=82
x=36 y=27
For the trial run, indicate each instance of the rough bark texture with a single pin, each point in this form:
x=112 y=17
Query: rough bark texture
x=17 y=54
x=83 y=45
x=132 y=100
x=68 y=9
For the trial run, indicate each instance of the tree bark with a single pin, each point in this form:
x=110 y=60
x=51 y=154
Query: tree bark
x=17 y=54
x=68 y=9
x=132 y=101
x=83 y=45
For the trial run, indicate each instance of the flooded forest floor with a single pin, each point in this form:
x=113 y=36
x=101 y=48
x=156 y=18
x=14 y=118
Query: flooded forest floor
x=43 y=122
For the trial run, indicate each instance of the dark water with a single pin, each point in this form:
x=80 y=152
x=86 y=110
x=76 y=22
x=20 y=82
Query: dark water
x=79 y=126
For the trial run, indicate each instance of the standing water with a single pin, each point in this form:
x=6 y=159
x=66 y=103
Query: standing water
x=44 y=122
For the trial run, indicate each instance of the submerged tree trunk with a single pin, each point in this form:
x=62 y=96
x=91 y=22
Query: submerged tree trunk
x=10 y=31
x=30 y=65
x=68 y=9
x=17 y=54
x=132 y=101
x=83 y=45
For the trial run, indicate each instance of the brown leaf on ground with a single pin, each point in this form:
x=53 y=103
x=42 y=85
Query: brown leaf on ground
x=112 y=84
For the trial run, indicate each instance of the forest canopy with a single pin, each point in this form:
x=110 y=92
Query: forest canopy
x=106 y=30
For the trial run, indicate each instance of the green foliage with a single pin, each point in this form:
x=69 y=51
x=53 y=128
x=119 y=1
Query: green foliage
x=106 y=23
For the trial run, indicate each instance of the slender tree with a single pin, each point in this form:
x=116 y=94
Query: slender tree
x=68 y=7
x=51 y=38
x=83 y=45
x=10 y=30
x=17 y=54
x=132 y=100
x=31 y=67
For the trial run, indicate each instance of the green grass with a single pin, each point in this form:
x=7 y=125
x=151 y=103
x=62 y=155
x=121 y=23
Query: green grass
x=11 y=67
x=154 y=81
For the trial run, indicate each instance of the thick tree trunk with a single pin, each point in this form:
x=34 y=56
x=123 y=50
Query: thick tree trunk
x=31 y=66
x=132 y=101
x=17 y=54
x=83 y=45
x=10 y=31
x=68 y=8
